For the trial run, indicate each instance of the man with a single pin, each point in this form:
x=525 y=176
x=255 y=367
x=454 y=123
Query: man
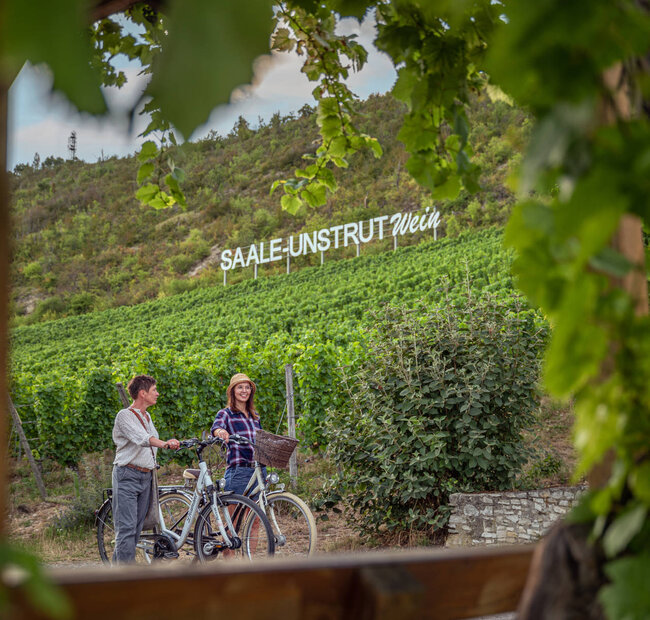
x=136 y=442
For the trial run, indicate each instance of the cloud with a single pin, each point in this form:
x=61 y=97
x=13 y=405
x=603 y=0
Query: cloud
x=41 y=122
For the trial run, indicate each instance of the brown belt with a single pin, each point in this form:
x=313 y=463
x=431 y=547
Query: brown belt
x=143 y=469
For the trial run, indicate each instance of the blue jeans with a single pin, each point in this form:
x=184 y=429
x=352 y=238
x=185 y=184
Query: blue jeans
x=237 y=478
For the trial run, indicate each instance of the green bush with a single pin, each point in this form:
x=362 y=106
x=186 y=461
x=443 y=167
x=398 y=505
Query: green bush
x=438 y=406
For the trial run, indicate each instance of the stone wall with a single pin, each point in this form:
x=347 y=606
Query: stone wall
x=507 y=517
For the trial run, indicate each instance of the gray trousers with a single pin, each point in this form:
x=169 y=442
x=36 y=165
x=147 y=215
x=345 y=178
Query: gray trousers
x=131 y=492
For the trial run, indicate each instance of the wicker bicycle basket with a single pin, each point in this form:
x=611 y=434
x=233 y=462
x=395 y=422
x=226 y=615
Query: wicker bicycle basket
x=273 y=450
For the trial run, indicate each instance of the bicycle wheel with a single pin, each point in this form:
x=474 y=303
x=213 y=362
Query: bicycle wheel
x=105 y=532
x=175 y=507
x=294 y=526
x=253 y=536
x=106 y=538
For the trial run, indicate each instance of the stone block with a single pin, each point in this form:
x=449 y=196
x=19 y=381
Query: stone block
x=470 y=511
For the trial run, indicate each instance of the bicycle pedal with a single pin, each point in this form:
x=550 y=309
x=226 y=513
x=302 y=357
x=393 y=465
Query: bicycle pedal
x=170 y=555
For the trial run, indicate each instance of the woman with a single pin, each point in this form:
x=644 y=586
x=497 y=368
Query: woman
x=239 y=417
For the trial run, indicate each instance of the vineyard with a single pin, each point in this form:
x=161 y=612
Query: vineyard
x=64 y=372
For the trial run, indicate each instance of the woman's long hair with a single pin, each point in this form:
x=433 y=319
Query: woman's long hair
x=250 y=403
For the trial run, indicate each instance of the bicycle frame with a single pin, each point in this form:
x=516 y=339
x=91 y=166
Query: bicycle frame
x=204 y=490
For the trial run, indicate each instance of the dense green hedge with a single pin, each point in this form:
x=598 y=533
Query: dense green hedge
x=437 y=406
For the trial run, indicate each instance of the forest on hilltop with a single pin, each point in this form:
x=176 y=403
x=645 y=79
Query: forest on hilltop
x=82 y=242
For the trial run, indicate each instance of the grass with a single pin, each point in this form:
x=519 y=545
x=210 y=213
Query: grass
x=554 y=457
x=62 y=530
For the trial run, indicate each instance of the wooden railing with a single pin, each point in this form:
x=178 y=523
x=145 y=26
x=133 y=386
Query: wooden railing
x=441 y=584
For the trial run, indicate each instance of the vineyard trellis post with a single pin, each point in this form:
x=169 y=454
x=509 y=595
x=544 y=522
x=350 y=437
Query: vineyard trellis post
x=122 y=392
x=291 y=421
x=18 y=426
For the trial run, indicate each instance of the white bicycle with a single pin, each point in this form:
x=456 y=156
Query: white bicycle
x=216 y=524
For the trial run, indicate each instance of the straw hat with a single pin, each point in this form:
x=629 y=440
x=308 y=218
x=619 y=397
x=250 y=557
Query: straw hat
x=240 y=377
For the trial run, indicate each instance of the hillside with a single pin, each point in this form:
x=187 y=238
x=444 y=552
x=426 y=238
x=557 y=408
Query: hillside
x=83 y=243
x=64 y=371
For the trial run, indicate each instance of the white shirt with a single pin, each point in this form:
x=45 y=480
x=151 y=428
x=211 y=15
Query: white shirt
x=131 y=439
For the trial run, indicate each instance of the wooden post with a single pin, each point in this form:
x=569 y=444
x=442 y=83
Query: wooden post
x=225 y=277
x=291 y=422
x=288 y=263
x=122 y=392
x=5 y=259
x=18 y=425
x=255 y=271
x=394 y=242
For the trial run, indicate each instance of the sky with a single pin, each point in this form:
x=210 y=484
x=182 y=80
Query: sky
x=41 y=122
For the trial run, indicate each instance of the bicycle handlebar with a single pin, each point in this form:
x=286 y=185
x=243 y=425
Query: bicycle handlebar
x=209 y=441
x=195 y=441
x=242 y=441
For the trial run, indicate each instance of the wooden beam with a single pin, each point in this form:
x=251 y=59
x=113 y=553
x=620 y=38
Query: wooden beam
x=441 y=584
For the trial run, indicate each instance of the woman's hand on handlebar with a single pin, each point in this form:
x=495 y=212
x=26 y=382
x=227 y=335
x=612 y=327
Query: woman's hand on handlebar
x=221 y=433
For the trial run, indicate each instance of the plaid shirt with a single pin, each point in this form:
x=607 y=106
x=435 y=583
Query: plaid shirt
x=235 y=422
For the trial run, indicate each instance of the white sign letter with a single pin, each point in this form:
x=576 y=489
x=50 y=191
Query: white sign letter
x=275 y=250
x=324 y=242
x=226 y=261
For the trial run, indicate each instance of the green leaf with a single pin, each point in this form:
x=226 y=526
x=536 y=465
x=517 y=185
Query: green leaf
x=338 y=146
x=175 y=190
x=282 y=41
x=375 y=147
x=639 y=481
x=144 y=172
x=55 y=33
x=148 y=151
x=275 y=185
x=315 y=194
x=447 y=190
x=627 y=597
x=208 y=54
x=611 y=262
x=291 y=203
x=147 y=192
x=351 y=8
x=403 y=87
x=624 y=528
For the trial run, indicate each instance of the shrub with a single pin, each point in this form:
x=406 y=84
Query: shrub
x=438 y=407
x=92 y=477
x=81 y=303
